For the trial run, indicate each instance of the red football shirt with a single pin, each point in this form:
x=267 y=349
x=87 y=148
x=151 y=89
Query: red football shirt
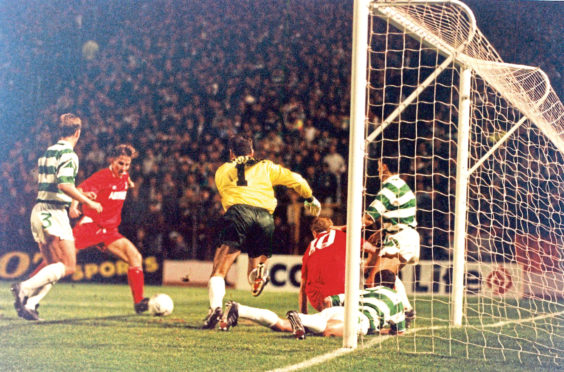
x=111 y=193
x=323 y=265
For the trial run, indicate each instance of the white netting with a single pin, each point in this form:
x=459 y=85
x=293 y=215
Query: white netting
x=447 y=26
x=514 y=279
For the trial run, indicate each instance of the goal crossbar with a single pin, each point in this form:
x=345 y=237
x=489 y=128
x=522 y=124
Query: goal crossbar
x=510 y=88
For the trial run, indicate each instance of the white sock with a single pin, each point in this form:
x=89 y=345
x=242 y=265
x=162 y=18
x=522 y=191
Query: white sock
x=315 y=323
x=400 y=289
x=48 y=275
x=38 y=296
x=216 y=291
x=263 y=317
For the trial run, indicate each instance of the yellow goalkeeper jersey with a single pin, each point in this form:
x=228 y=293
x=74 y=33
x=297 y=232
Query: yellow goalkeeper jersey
x=250 y=182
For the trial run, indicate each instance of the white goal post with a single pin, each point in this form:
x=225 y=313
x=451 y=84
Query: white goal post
x=481 y=143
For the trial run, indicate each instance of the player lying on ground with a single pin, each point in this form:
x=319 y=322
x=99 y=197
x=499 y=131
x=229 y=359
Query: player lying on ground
x=50 y=225
x=246 y=186
x=100 y=230
x=380 y=310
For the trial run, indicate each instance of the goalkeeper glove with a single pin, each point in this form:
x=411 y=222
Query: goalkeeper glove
x=312 y=206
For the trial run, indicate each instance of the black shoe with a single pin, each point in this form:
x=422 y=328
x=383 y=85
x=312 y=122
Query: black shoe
x=409 y=318
x=142 y=306
x=213 y=317
x=298 y=329
x=394 y=330
x=19 y=297
x=28 y=314
x=230 y=316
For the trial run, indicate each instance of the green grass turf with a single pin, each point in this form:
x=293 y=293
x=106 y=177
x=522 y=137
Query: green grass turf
x=89 y=327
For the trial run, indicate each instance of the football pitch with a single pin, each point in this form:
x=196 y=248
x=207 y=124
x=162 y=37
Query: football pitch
x=91 y=327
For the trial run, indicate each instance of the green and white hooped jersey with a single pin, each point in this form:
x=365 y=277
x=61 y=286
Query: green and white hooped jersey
x=381 y=305
x=59 y=164
x=395 y=203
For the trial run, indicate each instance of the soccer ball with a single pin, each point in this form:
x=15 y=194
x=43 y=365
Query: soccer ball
x=160 y=305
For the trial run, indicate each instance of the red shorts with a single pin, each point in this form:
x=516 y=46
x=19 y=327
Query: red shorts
x=89 y=234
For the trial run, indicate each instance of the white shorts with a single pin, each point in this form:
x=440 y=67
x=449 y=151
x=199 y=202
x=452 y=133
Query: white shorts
x=338 y=313
x=405 y=242
x=47 y=219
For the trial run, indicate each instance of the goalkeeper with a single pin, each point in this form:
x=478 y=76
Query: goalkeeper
x=245 y=185
x=380 y=311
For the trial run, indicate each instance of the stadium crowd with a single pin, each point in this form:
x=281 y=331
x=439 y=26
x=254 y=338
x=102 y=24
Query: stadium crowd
x=176 y=79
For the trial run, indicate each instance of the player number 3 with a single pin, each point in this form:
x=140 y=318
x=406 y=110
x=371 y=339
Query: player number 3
x=46 y=218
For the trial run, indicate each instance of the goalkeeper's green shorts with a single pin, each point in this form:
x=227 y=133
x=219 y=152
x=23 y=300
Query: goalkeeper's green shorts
x=248 y=229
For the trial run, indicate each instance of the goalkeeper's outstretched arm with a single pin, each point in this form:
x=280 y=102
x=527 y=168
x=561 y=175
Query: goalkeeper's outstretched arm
x=312 y=206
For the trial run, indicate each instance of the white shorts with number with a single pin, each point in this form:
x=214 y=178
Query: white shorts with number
x=48 y=219
x=404 y=242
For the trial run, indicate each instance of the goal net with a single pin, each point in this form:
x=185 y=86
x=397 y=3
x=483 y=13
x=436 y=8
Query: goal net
x=481 y=144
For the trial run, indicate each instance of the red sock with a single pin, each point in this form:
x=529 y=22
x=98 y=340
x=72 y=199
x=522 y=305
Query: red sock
x=136 y=282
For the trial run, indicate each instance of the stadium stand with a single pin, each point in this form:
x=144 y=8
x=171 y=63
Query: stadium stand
x=175 y=79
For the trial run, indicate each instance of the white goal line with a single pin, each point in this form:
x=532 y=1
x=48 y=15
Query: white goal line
x=378 y=340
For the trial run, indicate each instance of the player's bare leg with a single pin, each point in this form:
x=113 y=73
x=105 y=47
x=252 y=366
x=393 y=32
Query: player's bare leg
x=400 y=289
x=222 y=262
x=334 y=328
x=126 y=251
x=257 y=273
x=60 y=257
x=371 y=262
x=283 y=325
x=379 y=263
x=60 y=251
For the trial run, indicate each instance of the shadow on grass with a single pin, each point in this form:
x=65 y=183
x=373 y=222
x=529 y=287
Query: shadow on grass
x=103 y=321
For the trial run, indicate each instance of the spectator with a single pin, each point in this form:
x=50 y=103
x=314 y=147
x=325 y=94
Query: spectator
x=327 y=184
x=160 y=83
